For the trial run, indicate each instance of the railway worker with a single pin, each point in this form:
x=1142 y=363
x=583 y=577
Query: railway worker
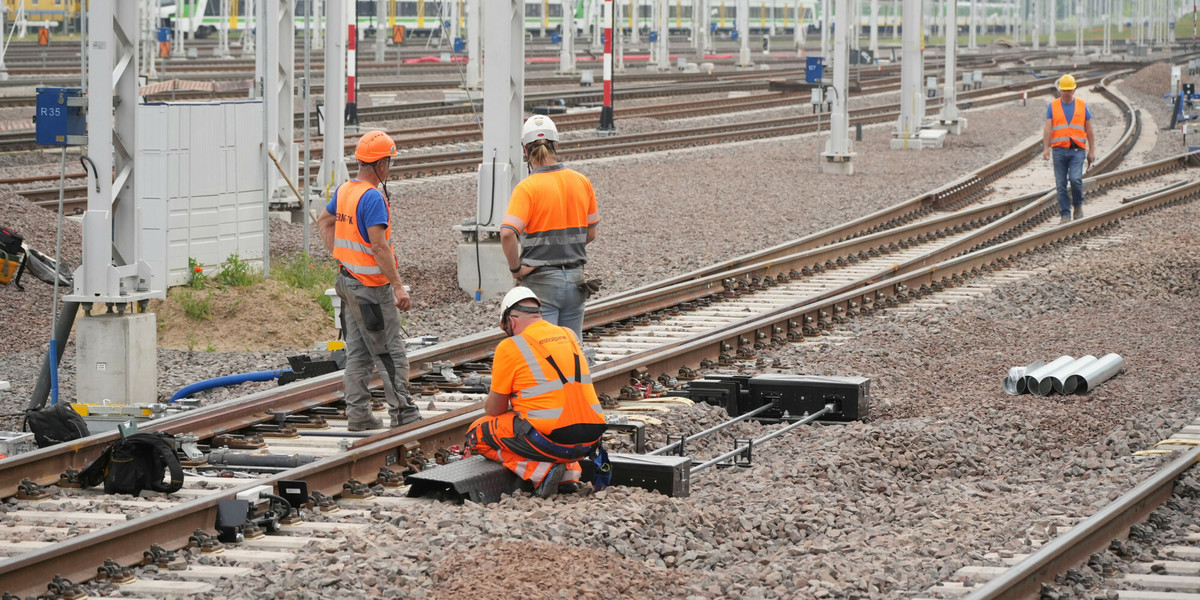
x=552 y=216
x=1067 y=135
x=356 y=227
x=542 y=411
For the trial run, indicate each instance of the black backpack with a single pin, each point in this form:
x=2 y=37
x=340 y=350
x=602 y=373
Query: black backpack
x=136 y=463
x=56 y=424
x=10 y=241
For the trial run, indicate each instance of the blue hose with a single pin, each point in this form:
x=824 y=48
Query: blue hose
x=215 y=382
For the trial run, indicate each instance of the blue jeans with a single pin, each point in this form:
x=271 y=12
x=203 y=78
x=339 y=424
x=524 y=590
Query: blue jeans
x=1068 y=168
x=562 y=300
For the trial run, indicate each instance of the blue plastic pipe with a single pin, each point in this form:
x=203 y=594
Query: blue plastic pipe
x=53 y=372
x=227 y=380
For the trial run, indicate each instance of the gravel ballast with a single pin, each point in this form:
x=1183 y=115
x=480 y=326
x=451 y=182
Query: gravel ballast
x=948 y=468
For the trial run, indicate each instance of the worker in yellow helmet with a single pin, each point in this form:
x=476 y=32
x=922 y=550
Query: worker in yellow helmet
x=1068 y=136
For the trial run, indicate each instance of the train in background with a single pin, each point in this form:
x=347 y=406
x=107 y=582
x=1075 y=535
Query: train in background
x=426 y=17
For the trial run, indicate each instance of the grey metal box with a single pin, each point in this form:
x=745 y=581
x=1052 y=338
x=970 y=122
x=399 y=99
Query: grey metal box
x=800 y=394
x=13 y=443
x=670 y=475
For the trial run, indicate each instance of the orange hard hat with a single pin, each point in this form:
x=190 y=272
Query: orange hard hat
x=375 y=146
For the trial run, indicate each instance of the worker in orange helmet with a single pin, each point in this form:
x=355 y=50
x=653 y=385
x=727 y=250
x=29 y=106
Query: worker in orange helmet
x=542 y=411
x=356 y=228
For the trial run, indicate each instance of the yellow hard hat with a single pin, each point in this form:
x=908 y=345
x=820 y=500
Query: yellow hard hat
x=1066 y=82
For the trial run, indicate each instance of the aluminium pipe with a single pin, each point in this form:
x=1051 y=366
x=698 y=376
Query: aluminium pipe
x=1099 y=372
x=742 y=450
x=1064 y=380
x=1014 y=382
x=716 y=428
x=1035 y=380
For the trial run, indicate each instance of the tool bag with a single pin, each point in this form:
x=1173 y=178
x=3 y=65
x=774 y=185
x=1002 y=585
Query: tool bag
x=135 y=463
x=12 y=254
x=55 y=424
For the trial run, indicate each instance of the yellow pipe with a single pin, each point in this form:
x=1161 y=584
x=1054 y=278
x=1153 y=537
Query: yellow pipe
x=632 y=10
x=545 y=14
x=722 y=15
x=233 y=14
x=391 y=14
x=762 y=14
x=421 y=14
x=678 y=14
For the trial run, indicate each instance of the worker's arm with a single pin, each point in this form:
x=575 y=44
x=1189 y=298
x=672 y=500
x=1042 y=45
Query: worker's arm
x=593 y=231
x=1046 y=140
x=387 y=263
x=511 y=245
x=325 y=224
x=496 y=403
x=1091 y=141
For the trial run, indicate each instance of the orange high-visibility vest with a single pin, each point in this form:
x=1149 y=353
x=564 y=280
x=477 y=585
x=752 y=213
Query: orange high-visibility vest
x=1062 y=132
x=563 y=394
x=349 y=247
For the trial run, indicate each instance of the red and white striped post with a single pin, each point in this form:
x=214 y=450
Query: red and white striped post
x=607 y=126
x=351 y=60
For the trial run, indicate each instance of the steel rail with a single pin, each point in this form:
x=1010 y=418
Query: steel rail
x=445 y=163
x=78 y=557
x=1092 y=535
x=863 y=299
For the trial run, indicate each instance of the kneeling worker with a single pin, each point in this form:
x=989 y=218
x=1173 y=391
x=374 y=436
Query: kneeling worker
x=543 y=413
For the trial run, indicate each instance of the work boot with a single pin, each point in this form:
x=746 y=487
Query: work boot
x=549 y=485
x=374 y=423
x=569 y=487
x=1078 y=213
x=1064 y=220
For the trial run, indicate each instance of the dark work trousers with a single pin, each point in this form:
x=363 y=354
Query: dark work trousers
x=371 y=324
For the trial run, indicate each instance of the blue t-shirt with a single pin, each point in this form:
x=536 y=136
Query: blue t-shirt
x=1069 y=110
x=372 y=211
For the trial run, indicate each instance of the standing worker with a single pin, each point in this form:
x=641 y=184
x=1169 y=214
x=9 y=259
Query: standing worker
x=552 y=215
x=542 y=411
x=356 y=228
x=1068 y=132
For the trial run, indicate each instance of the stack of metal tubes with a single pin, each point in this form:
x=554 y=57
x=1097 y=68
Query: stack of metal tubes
x=1064 y=375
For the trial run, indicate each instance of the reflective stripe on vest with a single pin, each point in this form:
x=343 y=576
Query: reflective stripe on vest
x=544 y=385
x=1063 y=132
x=349 y=248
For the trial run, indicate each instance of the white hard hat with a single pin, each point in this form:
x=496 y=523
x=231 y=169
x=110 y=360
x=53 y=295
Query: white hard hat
x=538 y=127
x=516 y=295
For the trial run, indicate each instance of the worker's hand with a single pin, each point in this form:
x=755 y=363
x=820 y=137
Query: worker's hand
x=1091 y=158
x=1046 y=154
x=525 y=271
x=403 y=301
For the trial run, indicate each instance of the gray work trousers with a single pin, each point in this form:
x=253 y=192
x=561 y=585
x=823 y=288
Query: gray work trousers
x=371 y=325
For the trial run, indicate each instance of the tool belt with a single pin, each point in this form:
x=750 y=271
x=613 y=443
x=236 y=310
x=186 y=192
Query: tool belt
x=574 y=452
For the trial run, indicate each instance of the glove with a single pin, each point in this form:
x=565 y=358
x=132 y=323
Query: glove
x=590 y=287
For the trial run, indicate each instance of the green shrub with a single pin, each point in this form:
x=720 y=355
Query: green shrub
x=237 y=272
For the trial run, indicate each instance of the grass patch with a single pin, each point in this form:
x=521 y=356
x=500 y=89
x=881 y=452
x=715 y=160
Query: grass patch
x=196 y=306
x=306 y=273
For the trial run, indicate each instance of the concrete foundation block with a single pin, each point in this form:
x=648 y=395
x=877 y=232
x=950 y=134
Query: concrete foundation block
x=496 y=280
x=116 y=359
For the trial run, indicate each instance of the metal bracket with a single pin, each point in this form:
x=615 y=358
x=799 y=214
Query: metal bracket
x=745 y=459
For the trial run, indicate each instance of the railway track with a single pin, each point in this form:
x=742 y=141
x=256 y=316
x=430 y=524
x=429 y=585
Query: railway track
x=429 y=164
x=989 y=236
